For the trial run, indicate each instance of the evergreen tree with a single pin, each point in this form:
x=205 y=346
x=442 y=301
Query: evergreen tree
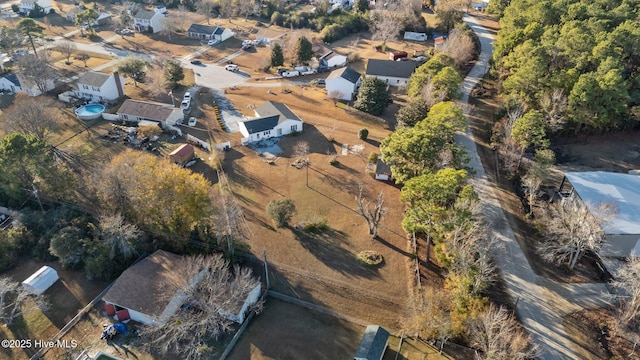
x=277 y=57
x=304 y=49
x=373 y=96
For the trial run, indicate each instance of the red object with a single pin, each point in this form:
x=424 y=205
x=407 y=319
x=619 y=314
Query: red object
x=111 y=310
x=123 y=315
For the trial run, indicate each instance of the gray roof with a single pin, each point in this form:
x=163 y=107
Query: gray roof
x=202 y=29
x=146 y=110
x=390 y=68
x=346 y=73
x=595 y=187
x=382 y=167
x=218 y=31
x=271 y=108
x=149 y=285
x=261 y=124
x=144 y=14
x=13 y=78
x=93 y=78
x=373 y=343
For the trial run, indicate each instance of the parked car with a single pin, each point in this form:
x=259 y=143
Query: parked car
x=321 y=82
x=231 y=67
x=247 y=42
x=281 y=70
x=291 y=73
x=421 y=58
x=247 y=47
x=192 y=121
x=196 y=62
x=212 y=42
x=185 y=104
x=187 y=96
x=126 y=31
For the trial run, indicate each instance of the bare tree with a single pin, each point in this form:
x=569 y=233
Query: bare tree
x=553 y=105
x=36 y=70
x=301 y=150
x=374 y=215
x=67 y=48
x=539 y=172
x=84 y=57
x=497 y=336
x=217 y=292
x=205 y=8
x=628 y=295
x=119 y=236
x=573 y=228
x=459 y=46
x=231 y=224
x=501 y=138
x=30 y=115
x=10 y=38
x=385 y=25
x=13 y=297
x=156 y=81
x=433 y=319
x=246 y=8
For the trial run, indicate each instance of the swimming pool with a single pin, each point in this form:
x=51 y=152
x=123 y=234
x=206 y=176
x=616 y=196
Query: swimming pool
x=90 y=112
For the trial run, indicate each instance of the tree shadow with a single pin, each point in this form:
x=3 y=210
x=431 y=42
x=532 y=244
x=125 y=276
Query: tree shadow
x=318 y=143
x=331 y=247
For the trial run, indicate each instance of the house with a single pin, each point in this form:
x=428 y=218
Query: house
x=622 y=233
x=97 y=86
x=41 y=280
x=137 y=110
x=103 y=19
x=71 y=14
x=148 y=291
x=394 y=73
x=273 y=119
x=373 y=344
x=26 y=6
x=14 y=82
x=383 y=170
x=148 y=21
x=439 y=41
x=330 y=60
x=343 y=83
x=151 y=291
x=206 y=32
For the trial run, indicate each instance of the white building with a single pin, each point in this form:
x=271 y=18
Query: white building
x=27 y=5
x=592 y=188
x=273 y=119
x=13 y=82
x=394 y=73
x=97 y=86
x=137 y=110
x=343 y=83
x=206 y=32
x=145 y=21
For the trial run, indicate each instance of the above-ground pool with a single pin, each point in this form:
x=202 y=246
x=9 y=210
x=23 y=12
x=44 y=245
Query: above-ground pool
x=90 y=112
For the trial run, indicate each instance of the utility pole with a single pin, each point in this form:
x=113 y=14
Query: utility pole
x=307 y=172
x=266 y=269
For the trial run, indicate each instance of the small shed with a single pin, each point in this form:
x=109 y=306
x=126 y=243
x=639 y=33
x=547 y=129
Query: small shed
x=373 y=344
x=41 y=280
x=383 y=170
x=182 y=154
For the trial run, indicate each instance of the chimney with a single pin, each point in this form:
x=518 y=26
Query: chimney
x=119 y=84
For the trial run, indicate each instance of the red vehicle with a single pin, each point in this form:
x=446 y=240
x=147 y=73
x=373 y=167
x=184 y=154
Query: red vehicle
x=398 y=55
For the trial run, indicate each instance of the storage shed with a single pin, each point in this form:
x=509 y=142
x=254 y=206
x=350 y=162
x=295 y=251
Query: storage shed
x=373 y=344
x=41 y=280
x=182 y=154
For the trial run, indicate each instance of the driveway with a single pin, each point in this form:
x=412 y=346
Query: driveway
x=540 y=303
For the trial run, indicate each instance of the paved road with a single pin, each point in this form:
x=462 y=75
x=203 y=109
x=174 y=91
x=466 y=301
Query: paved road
x=541 y=303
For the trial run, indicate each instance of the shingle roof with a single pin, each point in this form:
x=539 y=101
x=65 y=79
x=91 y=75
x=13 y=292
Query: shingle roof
x=271 y=108
x=218 y=31
x=147 y=110
x=202 y=29
x=399 y=69
x=13 y=78
x=144 y=14
x=93 y=78
x=346 y=73
x=149 y=285
x=261 y=124
x=382 y=168
x=373 y=343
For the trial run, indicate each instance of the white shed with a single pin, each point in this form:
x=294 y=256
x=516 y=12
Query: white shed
x=41 y=280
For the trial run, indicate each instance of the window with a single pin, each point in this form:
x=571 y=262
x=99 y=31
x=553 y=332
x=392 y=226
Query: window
x=95 y=88
x=268 y=132
x=125 y=117
x=398 y=81
x=86 y=87
x=294 y=127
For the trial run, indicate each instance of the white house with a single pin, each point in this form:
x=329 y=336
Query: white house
x=622 y=233
x=137 y=110
x=394 y=73
x=273 y=119
x=373 y=344
x=343 y=83
x=332 y=60
x=145 y=21
x=97 y=86
x=151 y=291
x=13 y=82
x=206 y=32
x=267 y=35
x=27 y=5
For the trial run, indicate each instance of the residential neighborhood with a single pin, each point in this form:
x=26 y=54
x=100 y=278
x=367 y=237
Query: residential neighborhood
x=319 y=180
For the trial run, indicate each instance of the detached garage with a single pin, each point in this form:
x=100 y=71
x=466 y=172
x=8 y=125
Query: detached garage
x=41 y=280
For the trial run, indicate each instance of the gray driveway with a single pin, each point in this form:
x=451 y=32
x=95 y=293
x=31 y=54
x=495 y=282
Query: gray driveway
x=541 y=303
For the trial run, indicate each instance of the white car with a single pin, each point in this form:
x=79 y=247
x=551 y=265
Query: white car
x=247 y=42
x=231 y=67
x=421 y=58
x=212 y=42
x=185 y=104
x=126 y=31
x=192 y=121
x=187 y=96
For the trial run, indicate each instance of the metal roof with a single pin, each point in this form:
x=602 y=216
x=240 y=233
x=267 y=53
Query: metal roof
x=595 y=187
x=373 y=343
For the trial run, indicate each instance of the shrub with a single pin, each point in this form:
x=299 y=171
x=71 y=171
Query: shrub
x=315 y=224
x=373 y=158
x=281 y=211
x=363 y=134
x=333 y=161
x=15 y=8
x=370 y=257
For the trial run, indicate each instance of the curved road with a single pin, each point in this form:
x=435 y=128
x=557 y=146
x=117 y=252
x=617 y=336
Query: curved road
x=540 y=303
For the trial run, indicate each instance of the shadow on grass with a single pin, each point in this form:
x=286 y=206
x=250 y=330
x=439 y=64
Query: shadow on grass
x=329 y=246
